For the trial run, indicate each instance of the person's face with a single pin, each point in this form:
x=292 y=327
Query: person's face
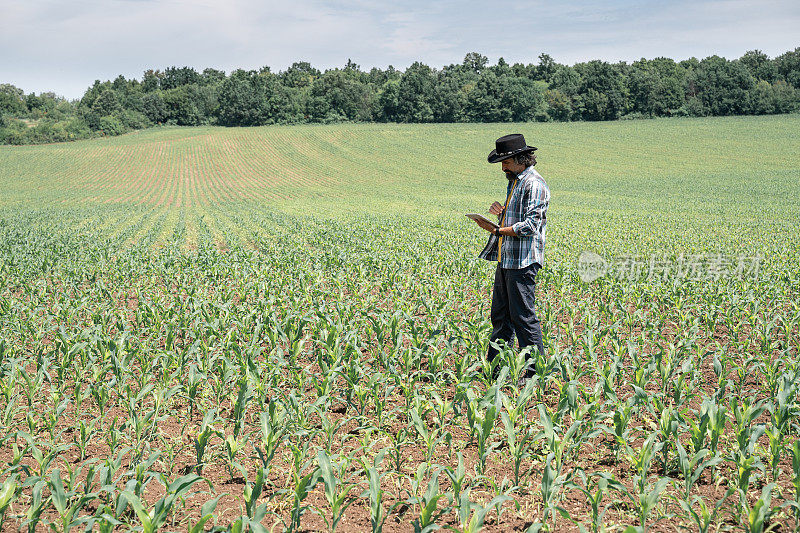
x=511 y=168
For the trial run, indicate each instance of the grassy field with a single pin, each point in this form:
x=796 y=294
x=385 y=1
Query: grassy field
x=285 y=326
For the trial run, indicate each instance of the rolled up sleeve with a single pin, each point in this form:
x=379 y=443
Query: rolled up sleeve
x=534 y=209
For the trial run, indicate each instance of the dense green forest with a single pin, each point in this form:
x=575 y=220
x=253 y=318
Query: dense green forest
x=472 y=91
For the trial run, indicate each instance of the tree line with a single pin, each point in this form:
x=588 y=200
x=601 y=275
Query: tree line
x=472 y=91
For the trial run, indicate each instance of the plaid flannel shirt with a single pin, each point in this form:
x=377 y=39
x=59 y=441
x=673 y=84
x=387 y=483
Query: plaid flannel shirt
x=526 y=213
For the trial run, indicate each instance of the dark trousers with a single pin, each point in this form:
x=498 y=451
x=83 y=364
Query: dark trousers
x=512 y=308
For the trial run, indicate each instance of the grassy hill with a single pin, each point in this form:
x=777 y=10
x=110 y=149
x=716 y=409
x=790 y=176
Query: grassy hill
x=663 y=176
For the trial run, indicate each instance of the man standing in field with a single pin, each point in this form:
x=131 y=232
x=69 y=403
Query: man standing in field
x=517 y=245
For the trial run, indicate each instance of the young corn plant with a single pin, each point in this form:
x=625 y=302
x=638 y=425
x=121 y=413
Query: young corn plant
x=336 y=493
x=698 y=431
x=8 y=493
x=37 y=506
x=301 y=485
x=471 y=515
x=43 y=461
x=51 y=418
x=141 y=474
x=559 y=446
x=206 y=515
x=155 y=518
x=100 y=390
x=622 y=429
x=10 y=410
x=239 y=412
x=703 y=516
x=427 y=506
x=668 y=425
x=594 y=488
x=745 y=469
x=458 y=478
x=692 y=468
x=544 y=367
x=782 y=410
x=481 y=424
x=646 y=495
x=553 y=484
x=84 y=436
x=67 y=503
x=398 y=458
x=194 y=383
x=330 y=427
x=202 y=439
x=232 y=448
x=717 y=418
x=775 y=450
x=380 y=391
x=442 y=408
x=377 y=511
x=746 y=431
x=516 y=407
x=796 y=478
x=430 y=438
x=519 y=447
x=273 y=434
x=518 y=363
x=504 y=488
x=757 y=517
x=252 y=491
x=15 y=462
x=114 y=435
x=491 y=369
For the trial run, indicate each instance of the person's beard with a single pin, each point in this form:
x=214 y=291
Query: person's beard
x=510 y=175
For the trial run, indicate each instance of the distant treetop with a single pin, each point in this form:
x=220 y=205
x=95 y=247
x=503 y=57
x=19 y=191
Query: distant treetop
x=472 y=91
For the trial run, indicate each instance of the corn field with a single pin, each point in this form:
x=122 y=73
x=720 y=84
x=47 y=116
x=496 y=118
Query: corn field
x=285 y=328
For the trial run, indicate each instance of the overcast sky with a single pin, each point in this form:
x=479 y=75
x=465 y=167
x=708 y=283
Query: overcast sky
x=63 y=46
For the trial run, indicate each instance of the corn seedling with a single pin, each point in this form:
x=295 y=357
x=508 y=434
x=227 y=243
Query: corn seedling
x=8 y=492
x=202 y=439
x=427 y=506
x=472 y=515
x=594 y=488
x=336 y=493
x=154 y=518
x=692 y=468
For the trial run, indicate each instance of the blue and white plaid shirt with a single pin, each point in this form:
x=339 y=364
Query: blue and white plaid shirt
x=526 y=212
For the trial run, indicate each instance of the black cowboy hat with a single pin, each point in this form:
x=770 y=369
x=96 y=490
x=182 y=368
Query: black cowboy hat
x=509 y=146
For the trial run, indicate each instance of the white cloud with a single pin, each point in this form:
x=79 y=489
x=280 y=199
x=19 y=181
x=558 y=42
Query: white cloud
x=415 y=35
x=52 y=45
